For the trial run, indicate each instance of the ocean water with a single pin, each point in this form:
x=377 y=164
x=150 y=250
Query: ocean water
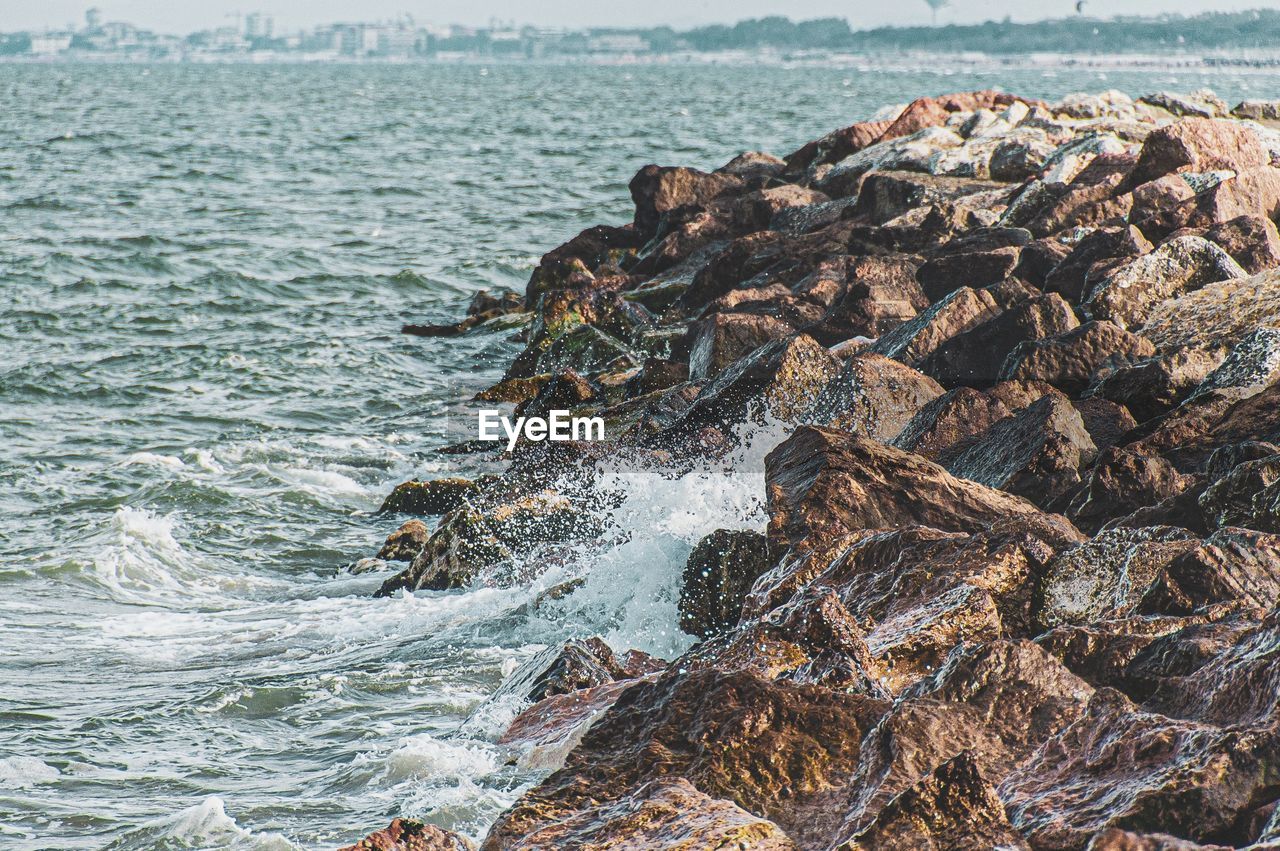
x=204 y=397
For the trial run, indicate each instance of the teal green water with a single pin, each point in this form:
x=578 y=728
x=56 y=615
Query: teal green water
x=203 y=397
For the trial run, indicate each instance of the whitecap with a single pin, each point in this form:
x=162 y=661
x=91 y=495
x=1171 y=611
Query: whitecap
x=19 y=772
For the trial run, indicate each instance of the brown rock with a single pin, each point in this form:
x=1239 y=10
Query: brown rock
x=657 y=190
x=405 y=543
x=1038 y=260
x=721 y=339
x=1121 y=481
x=952 y=809
x=585 y=253
x=823 y=483
x=916 y=339
x=877 y=295
x=1254 y=192
x=1198 y=144
x=974 y=358
x=1069 y=360
x=943 y=275
x=411 y=835
x=1128 y=295
x=933 y=111
x=1245 y=496
x=1036 y=453
x=1092 y=257
x=1251 y=240
x=1150 y=387
x=1114 y=839
x=657 y=374
x=778 y=750
x=1232 y=564
x=563 y=391
x=435 y=496
x=836 y=145
x=873 y=396
x=717 y=577
x=948 y=422
x=885 y=195
x=1108 y=424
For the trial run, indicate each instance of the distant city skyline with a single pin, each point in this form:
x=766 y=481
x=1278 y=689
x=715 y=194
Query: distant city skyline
x=184 y=17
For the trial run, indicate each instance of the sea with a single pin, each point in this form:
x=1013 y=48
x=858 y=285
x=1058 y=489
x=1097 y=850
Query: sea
x=204 y=397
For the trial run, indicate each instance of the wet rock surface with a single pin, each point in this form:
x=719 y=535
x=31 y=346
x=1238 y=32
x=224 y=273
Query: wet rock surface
x=1020 y=363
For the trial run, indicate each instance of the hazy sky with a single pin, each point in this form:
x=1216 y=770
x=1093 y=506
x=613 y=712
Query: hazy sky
x=181 y=16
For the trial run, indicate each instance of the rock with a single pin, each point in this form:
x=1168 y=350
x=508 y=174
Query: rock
x=564 y=391
x=1112 y=103
x=873 y=396
x=513 y=390
x=657 y=374
x=953 y=809
x=1202 y=104
x=781 y=379
x=1258 y=110
x=405 y=543
x=1092 y=258
x=932 y=111
x=837 y=145
x=411 y=835
x=543 y=734
x=1152 y=386
x=432 y=497
x=1120 y=765
x=1016 y=160
x=1253 y=192
x=1107 y=423
x=1036 y=453
x=949 y=421
x=1198 y=145
x=1069 y=360
x=823 y=483
x=1251 y=240
x=974 y=358
x=573 y=666
x=664 y=813
x=501 y=301
x=582 y=255
x=1038 y=260
x=723 y=338
x=774 y=749
x=1232 y=564
x=1245 y=496
x=943 y=275
x=1121 y=481
x=1114 y=839
x=1077 y=205
x=1128 y=296
x=1219 y=314
x=877 y=295
x=916 y=339
x=717 y=577
x=885 y=195
x=1251 y=367
x=1106 y=578
x=585 y=349
x=657 y=190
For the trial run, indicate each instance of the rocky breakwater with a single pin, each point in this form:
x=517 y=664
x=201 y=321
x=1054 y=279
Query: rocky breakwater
x=1018 y=583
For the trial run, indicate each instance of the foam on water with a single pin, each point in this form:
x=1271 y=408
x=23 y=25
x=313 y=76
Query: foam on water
x=17 y=772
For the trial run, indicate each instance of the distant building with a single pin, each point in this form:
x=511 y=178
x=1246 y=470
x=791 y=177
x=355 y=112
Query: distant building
x=93 y=18
x=618 y=43
x=258 y=26
x=50 y=44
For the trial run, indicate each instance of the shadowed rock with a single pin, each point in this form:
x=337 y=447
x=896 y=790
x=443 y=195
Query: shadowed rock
x=948 y=422
x=717 y=577
x=873 y=396
x=917 y=338
x=1068 y=361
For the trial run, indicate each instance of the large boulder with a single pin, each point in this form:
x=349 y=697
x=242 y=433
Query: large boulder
x=917 y=338
x=1152 y=386
x=822 y=483
x=433 y=496
x=1068 y=361
x=723 y=338
x=1198 y=145
x=1219 y=314
x=876 y=295
x=717 y=576
x=1092 y=258
x=1037 y=453
x=1252 y=240
x=1185 y=264
x=976 y=357
x=874 y=396
x=1121 y=481
x=943 y=275
x=950 y=421
x=777 y=750
x=657 y=190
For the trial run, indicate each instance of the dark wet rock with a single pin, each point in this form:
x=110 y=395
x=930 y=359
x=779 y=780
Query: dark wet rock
x=885 y=195
x=948 y=422
x=781 y=379
x=1011 y=292
x=664 y=813
x=719 y=340
x=1114 y=839
x=1129 y=294
x=1038 y=260
x=434 y=496
x=405 y=543
x=977 y=269
x=1232 y=564
x=717 y=577
x=513 y=390
x=486 y=303
x=1092 y=257
x=412 y=835
x=1201 y=104
x=1108 y=423
x=1069 y=360
x=1198 y=145
x=581 y=256
x=916 y=339
x=585 y=349
x=1252 y=240
x=1121 y=481
x=657 y=374
x=781 y=751
x=1152 y=386
x=657 y=190
x=952 y=809
x=543 y=734
x=1037 y=453
x=975 y=357
x=823 y=483
x=877 y=295
x=1118 y=765
x=564 y=391
x=873 y=396
x=574 y=665
x=1246 y=495
x=1105 y=578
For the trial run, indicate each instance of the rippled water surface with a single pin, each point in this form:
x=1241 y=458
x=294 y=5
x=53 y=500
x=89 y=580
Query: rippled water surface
x=203 y=398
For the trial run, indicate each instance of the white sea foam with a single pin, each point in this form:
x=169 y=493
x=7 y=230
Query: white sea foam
x=152 y=459
x=18 y=772
x=208 y=826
